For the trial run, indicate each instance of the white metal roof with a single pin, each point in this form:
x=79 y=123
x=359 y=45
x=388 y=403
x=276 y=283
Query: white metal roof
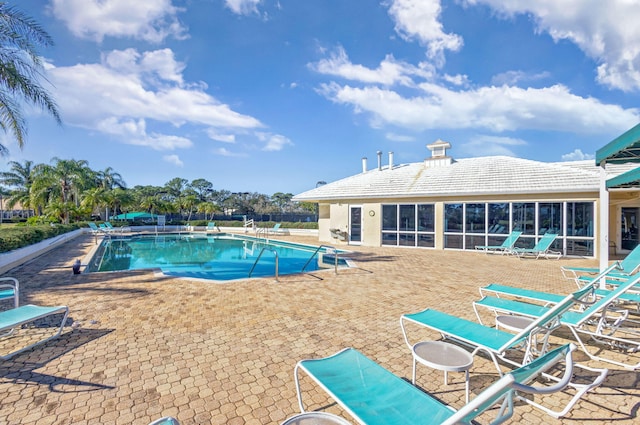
x=493 y=175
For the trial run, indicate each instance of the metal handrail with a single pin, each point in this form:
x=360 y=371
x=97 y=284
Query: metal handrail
x=329 y=249
x=260 y=255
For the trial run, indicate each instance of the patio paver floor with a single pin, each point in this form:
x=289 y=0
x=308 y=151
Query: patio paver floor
x=146 y=346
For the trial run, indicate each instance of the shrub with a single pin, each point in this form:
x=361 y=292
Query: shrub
x=19 y=236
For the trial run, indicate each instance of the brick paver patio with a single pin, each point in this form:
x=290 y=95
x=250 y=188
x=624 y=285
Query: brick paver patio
x=144 y=346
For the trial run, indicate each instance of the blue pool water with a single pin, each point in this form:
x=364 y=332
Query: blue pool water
x=219 y=257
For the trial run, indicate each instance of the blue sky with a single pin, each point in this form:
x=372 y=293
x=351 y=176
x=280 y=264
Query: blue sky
x=273 y=96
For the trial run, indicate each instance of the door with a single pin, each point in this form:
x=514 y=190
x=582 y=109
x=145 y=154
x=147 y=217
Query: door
x=629 y=231
x=355 y=225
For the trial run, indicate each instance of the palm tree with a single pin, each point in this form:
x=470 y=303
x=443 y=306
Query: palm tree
x=19 y=179
x=109 y=179
x=64 y=181
x=20 y=69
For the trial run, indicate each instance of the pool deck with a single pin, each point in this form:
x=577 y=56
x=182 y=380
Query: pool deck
x=145 y=346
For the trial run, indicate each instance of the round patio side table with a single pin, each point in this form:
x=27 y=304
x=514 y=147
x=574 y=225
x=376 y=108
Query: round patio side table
x=315 y=418
x=443 y=356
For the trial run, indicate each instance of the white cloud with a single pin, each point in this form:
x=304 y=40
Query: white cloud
x=399 y=137
x=134 y=132
x=149 y=20
x=389 y=72
x=243 y=7
x=512 y=78
x=490 y=108
x=173 y=159
x=129 y=89
x=227 y=152
x=486 y=145
x=577 y=155
x=273 y=142
x=419 y=19
x=606 y=31
x=225 y=138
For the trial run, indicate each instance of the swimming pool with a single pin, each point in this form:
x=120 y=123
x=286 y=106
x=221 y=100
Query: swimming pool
x=215 y=257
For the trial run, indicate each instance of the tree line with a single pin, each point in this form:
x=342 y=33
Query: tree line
x=69 y=190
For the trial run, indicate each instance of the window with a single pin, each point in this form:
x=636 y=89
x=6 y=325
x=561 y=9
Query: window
x=475 y=218
x=580 y=219
x=407 y=217
x=390 y=217
x=498 y=219
x=489 y=223
x=550 y=218
x=426 y=218
x=453 y=218
x=408 y=225
x=524 y=217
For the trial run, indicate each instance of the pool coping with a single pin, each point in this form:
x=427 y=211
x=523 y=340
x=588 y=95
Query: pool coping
x=157 y=272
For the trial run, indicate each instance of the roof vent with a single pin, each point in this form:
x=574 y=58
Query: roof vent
x=379 y=160
x=364 y=164
x=438 y=154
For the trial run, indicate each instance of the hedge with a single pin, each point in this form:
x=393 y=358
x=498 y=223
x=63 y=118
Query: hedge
x=14 y=237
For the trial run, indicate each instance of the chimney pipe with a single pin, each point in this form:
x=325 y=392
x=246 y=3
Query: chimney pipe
x=391 y=160
x=364 y=164
x=379 y=160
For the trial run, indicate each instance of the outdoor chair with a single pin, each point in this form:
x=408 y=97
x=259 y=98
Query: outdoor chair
x=602 y=321
x=628 y=266
x=373 y=395
x=506 y=246
x=11 y=319
x=120 y=229
x=10 y=291
x=211 y=226
x=276 y=230
x=541 y=249
x=496 y=343
x=547 y=298
x=95 y=230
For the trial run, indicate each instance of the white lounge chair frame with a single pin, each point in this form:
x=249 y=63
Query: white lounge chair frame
x=602 y=321
x=376 y=396
x=11 y=319
x=496 y=342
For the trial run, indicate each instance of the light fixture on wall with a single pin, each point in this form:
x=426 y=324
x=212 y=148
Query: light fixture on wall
x=372 y=213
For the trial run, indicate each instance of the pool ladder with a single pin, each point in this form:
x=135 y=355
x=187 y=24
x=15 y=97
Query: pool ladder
x=260 y=255
x=328 y=250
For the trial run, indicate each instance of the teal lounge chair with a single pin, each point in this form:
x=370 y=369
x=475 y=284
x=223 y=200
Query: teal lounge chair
x=602 y=322
x=10 y=319
x=547 y=298
x=496 y=342
x=541 y=249
x=628 y=266
x=9 y=291
x=276 y=230
x=113 y=229
x=506 y=246
x=211 y=226
x=95 y=230
x=372 y=395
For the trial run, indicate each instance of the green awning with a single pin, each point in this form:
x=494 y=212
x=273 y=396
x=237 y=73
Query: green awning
x=139 y=215
x=625 y=180
x=624 y=148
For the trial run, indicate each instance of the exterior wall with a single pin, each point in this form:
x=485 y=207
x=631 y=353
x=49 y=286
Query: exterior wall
x=617 y=201
x=335 y=215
